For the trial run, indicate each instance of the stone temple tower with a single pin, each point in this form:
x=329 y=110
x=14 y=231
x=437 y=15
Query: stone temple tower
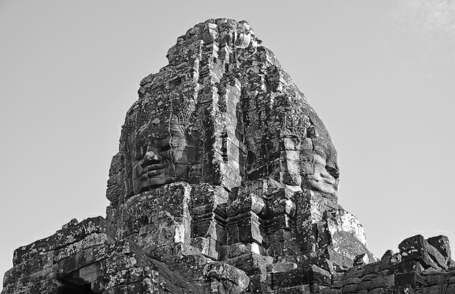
x=226 y=181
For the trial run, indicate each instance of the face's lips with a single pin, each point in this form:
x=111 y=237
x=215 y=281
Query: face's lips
x=154 y=173
x=328 y=181
x=151 y=174
x=324 y=179
x=155 y=166
x=152 y=170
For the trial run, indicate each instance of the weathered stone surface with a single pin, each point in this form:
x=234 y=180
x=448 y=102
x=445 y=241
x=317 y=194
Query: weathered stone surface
x=441 y=243
x=387 y=254
x=418 y=248
x=295 y=277
x=226 y=181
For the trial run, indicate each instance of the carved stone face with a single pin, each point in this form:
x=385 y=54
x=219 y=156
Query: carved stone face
x=324 y=174
x=310 y=166
x=251 y=123
x=324 y=178
x=158 y=157
x=301 y=152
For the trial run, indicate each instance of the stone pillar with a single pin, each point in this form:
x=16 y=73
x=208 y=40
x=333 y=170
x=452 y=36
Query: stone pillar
x=208 y=212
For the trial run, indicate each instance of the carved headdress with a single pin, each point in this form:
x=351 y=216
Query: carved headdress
x=240 y=111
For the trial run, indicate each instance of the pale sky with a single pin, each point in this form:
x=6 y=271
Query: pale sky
x=380 y=74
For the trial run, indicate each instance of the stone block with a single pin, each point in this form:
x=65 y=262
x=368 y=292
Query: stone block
x=222 y=271
x=302 y=289
x=39 y=282
x=281 y=206
x=320 y=289
x=442 y=244
x=234 y=250
x=224 y=287
x=91 y=273
x=410 y=266
x=244 y=228
x=209 y=226
x=92 y=240
x=354 y=272
x=435 y=279
x=121 y=289
x=384 y=282
x=278 y=222
x=284 y=249
x=36 y=262
x=251 y=263
x=283 y=267
x=320 y=276
x=351 y=288
x=246 y=203
x=167 y=203
x=81 y=259
x=291 y=278
x=385 y=264
x=205 y=195
x=207 y=246
x=189 y=267
x=279 y=236
x=418 y=248
x=250 y=232
x=351 y=281
x=260 y=283
x=372 y=268
x=74 y=231
x=387 y=254
x=413 y=279
x=167 y=231
x=340 y=260
x=365 y=285
x=47 y=273
x=42 y=246
x=46 y=286
x=337 y=280
x=135 y=288
x=361 y=259
x=450 y=288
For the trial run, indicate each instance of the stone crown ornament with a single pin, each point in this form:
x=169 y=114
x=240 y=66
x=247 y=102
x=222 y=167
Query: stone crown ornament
x=222 y=112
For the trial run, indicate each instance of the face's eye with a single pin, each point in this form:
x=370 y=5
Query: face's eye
x=165 y=147
x=140 y=152
x=163 y=144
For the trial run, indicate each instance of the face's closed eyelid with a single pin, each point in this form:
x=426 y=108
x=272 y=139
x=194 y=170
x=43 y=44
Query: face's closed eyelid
x=140 y=152
x=165 y=145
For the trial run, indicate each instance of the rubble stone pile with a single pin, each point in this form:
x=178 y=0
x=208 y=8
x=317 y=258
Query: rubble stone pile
x=226 y=181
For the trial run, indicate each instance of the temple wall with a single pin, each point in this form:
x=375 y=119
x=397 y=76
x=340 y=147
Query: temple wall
x=226 y=181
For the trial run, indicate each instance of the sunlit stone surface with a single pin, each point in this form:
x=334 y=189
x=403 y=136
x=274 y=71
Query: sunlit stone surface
x=226 y=181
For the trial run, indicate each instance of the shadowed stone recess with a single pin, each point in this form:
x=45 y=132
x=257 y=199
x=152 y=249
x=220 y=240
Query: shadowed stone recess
x=226 y=181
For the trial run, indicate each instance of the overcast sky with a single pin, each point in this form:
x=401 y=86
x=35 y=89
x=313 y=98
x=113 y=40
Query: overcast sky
x=380 y=74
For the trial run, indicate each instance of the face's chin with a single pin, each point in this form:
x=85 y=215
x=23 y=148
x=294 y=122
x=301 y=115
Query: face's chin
x=153 y=183
x=156 y=178
x=318 y=183
x=322 y=180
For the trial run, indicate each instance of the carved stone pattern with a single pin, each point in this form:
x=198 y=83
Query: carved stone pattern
x=226 y=181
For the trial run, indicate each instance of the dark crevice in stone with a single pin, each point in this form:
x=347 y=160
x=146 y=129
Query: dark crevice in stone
x=70 y=288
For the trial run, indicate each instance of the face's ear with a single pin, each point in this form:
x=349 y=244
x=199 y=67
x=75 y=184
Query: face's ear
x=115 y=184
x=175 y=127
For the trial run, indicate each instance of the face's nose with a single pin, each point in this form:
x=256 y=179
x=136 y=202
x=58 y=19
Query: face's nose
x=334 y=172
x=150 y=157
